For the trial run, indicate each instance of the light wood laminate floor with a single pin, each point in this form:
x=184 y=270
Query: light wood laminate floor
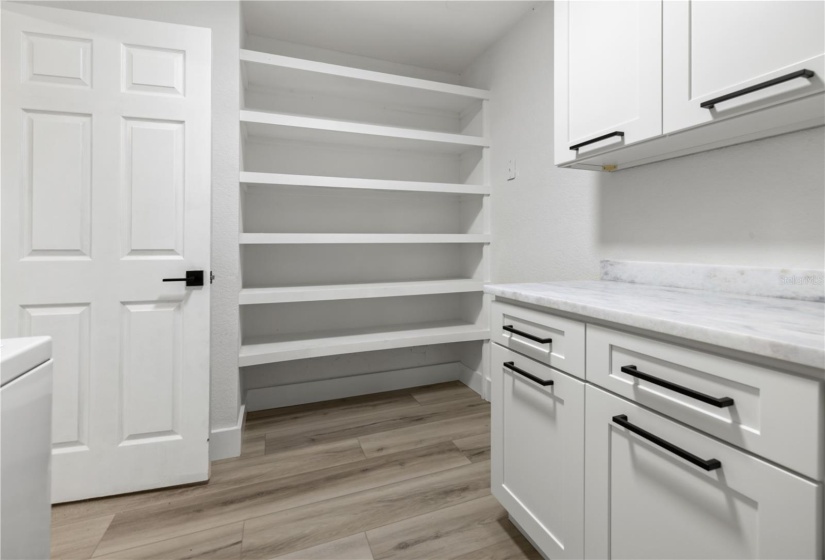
x=397 y=475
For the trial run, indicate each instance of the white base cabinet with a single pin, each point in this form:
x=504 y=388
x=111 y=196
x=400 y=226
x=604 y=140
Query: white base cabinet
x=538 y=451
x=659 y=451
x=645 y=501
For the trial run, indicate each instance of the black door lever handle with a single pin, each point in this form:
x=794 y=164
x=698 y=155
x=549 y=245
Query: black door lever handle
x=193 y=278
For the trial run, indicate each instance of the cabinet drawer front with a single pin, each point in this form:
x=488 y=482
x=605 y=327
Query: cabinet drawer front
x=645 y=501
x=538 y=451
x=778 y=416
x=564 y=352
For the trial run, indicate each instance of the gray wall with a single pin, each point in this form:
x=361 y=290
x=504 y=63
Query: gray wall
x=759 y=204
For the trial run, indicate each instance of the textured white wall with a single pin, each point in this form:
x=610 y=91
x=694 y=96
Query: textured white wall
x=224 y=20
x=759 y=204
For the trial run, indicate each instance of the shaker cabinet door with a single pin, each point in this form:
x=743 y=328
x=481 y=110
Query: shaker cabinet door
x=687 y=496
x=751 y=54
x=538 y=451
x=608 y=75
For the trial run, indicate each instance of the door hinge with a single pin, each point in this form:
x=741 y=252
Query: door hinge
x=211 y=277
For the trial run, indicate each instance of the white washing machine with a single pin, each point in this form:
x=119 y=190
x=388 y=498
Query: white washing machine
x=25 y=447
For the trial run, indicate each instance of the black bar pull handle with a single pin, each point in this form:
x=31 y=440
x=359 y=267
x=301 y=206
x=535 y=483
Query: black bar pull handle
x=707 y=464
x=193 y=278
x=510 y=328
x=576 y=147
x=543 y=382
x=719 y=402
x=711 y=103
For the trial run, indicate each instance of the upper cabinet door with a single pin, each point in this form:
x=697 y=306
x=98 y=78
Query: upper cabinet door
x=714 y=49
x=608 y=69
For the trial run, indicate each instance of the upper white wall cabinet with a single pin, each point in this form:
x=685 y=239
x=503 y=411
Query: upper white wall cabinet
x=608 y=86
x=673 y=78
x=719 y=55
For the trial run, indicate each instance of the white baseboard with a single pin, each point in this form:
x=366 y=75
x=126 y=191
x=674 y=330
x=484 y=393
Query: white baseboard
x=472 y=379
x=226 y=442
x=328 y=389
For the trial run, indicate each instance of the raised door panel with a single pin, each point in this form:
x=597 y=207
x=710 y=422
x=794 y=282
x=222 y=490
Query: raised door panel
x=538 y=452
x=645 y=502
x=57 y=60
x=150 y=371
x=712 y=49
x=57 y=151
x=608 y=75
x=69 y=326
x=153 y=70
x=154 y=165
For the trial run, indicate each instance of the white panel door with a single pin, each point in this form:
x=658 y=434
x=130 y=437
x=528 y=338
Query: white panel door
x=645 y=501
x=538 y=451
x=608 y=74
x=712 y=49
x=106 y=192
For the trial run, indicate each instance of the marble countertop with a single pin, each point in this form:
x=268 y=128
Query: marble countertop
x=784 y=329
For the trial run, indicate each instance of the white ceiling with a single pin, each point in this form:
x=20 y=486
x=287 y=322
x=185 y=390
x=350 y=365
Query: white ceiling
x=440 y=35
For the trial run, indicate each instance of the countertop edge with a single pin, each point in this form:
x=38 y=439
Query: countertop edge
x=794 y=354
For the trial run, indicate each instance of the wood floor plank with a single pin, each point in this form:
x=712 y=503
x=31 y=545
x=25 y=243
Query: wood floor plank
x=304 y=487
x=225 y=474
x=422 y=435
x=313 y=524
x=252 y=446
x=476 y=448
x=513 y=547
x=63 y=514
x=154 y=523
x=443 y=392
x=326 y=413
x=355 y=427
x=354 y=547
x=249 y=470
x=78 y=540
x=219 y=543
x=448 y=532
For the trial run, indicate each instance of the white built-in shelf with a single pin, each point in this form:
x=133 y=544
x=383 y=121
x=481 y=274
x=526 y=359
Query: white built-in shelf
x=292 y=294
x=307 y=117
x=264 y=350
x=355 y=238
x=271 y=72
x=278 y=126
x=284 y=179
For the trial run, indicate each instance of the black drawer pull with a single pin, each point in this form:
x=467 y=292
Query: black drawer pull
x=709 y=104
x=707 y=464
x=543 y=382
x=576 y=147
x=719 y=402
x=510 y=328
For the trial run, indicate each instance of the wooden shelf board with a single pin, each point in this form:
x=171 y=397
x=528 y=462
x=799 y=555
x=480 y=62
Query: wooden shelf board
x=284 y=179
x=279 y=126
x=263 y=350
x=290 y=294
x=357 y=238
